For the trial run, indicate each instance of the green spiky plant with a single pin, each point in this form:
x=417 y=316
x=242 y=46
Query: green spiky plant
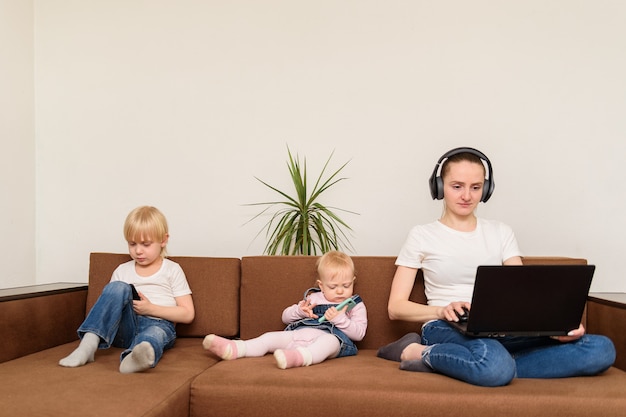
x=302 y=225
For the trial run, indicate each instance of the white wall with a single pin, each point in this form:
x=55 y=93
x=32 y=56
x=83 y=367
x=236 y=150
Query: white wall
x=17 y=142
x=181 y=104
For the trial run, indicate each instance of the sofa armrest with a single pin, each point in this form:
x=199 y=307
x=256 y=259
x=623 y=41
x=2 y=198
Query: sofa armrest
x=39 y=317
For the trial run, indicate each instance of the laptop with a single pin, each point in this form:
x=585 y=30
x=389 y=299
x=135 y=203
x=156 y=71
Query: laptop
x=529 y=300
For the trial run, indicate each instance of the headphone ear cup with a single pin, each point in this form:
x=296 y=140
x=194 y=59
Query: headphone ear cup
x=439 y=181
x=434 y=184
x=486 y=193
x=488 y=188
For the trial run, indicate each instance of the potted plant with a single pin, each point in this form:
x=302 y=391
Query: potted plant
x=301 y=224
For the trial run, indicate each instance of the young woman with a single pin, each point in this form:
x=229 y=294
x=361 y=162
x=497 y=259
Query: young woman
x=448 y=251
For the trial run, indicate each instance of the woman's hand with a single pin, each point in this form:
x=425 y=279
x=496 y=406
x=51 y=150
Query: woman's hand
x=450 y=311
x=571 y=336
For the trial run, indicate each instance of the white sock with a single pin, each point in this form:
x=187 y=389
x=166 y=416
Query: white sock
x=306 y=355
x=140 y=359
x=84 y=353
x=241 y=348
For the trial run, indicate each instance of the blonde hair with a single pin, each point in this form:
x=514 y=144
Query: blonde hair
x=335 y=260
x=148 y=222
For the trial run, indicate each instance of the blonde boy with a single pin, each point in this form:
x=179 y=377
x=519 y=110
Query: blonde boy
x=145 y=327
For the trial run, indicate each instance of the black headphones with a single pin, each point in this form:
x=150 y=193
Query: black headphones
x=436 y=182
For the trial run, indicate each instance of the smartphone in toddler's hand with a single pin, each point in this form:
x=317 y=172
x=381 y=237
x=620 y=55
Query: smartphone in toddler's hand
x=347 y=302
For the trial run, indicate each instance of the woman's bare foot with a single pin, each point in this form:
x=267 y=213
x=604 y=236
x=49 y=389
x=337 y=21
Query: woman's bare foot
x=412 y=352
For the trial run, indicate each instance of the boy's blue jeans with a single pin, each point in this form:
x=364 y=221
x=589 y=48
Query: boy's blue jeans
x=496 y=361
x=113 y=319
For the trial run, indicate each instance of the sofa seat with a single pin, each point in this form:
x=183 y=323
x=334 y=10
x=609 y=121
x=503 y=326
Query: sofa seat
x=35 y=385
x=244 y=298
x=376 y=387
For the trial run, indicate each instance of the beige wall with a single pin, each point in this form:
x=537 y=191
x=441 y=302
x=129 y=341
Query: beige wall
x=181 y=104
x=17 y=142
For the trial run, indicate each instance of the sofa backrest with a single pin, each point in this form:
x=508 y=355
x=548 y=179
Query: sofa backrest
x=271 y=283
x=246 y=297
x=213 y=281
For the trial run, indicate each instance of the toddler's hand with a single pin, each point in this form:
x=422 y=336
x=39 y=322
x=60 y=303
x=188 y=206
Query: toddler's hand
x=332 y=312
x=307 y=308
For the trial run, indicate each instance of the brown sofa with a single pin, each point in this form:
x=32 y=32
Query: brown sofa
x=244 y=298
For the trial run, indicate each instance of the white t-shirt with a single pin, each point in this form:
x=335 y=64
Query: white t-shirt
x=162 y=287
x=449 y=258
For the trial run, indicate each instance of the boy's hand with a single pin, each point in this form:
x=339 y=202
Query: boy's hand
x=142 y=306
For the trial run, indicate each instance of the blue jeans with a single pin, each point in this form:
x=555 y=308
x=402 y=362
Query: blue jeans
x=113 y=319
x=496 y=361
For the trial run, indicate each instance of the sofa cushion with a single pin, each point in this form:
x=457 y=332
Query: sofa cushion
x=365 y=385
x=35 y=385
x=213 y=281
x=271 y=283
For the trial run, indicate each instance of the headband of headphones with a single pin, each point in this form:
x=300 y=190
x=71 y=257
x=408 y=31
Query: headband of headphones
x=435 y=182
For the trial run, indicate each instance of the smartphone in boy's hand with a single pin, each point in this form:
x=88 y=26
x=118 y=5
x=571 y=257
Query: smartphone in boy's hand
x=135 y=293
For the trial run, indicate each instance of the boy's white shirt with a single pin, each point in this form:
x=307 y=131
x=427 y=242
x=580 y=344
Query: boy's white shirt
x=161 y=288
